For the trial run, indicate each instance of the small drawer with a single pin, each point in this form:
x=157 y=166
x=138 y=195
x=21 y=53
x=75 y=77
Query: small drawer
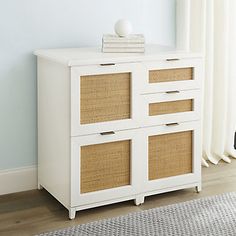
x=171 y=75
x=171 y=106
x=182 y=74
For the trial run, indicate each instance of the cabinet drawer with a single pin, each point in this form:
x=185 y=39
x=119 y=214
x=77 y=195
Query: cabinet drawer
x=170 y=75
x=171 y=106
x=104 y=97
x=105 y=166
x=170 y=154
x=173 y=155
x=182 y=74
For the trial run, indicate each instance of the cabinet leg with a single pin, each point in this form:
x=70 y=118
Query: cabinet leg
x=139 y=200
x=40 y=187
x=198 y=188
x=72 y=213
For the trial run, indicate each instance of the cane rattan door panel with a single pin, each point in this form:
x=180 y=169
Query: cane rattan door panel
x=105 y=97
x=161 y=108
x=170 y=154
x=105 y=166
x=169 y=75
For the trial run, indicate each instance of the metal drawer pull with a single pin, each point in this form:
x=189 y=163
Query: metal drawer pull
x=108 y=133
x=171 y=92
x=173 y=59
x=108 y=64
x=172 y=124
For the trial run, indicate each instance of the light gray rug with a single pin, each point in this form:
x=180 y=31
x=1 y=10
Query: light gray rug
x=207 y=216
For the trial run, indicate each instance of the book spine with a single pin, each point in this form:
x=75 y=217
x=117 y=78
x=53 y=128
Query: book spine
x=123 y=40
x=124 y=50
x=123 y=45
x=131 y=38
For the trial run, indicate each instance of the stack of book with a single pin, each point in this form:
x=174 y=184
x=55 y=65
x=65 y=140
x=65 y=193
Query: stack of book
x=131 y=43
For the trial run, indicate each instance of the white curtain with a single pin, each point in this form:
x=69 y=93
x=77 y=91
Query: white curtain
x=219 y=123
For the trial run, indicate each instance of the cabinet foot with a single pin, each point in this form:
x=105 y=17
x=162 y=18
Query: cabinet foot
x=139 y=200
x=72 y=213
x=40 y=187
x=198 y=188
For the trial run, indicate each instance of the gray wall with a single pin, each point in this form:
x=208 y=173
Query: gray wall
x=27 y=25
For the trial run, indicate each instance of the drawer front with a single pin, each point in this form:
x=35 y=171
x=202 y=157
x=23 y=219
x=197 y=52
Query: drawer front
x=104 y=98
x=171 y=107
x=182 y=74
x=173 y=155
x=105 y=167
x=170 y=75
x=170 y=155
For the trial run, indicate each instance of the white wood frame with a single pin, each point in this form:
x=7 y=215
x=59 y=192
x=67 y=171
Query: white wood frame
x=170 y=182
x=84 y=129
x=137 y=159
x=53 y=86
x=174 y=117
x=195 y=83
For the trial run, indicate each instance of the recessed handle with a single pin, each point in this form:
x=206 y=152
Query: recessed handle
x=172 y=59
x=172 y=124
x=107 y=133
x=108 y=64
x=172 y=92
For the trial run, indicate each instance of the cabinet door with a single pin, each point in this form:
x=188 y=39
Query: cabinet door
x=105 y=167
x=173 y=155
x=171 y=107
x=171 y=75
x=104 y=98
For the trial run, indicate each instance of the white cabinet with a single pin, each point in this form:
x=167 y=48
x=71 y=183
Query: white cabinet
x=115 y=127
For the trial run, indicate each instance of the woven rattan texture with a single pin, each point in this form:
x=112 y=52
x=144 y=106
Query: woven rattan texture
x=162 y=108
x=105 y=97
x=105 y=166
x=167 y=75
x=170 y=154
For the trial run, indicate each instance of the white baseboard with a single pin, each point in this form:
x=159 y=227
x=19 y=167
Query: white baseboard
x=18 y=180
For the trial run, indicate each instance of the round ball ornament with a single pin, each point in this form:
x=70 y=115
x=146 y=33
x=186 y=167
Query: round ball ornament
x=123 y=28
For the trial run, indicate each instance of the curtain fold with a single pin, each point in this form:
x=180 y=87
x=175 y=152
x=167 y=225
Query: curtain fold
x=219 y=120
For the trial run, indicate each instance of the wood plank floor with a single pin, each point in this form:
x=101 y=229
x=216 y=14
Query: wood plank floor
x=33 y=212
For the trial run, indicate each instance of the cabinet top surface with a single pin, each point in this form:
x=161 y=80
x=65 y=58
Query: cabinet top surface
x=93 y=55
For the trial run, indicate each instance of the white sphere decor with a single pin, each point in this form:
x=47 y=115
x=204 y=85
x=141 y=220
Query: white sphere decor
x=123 y=28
